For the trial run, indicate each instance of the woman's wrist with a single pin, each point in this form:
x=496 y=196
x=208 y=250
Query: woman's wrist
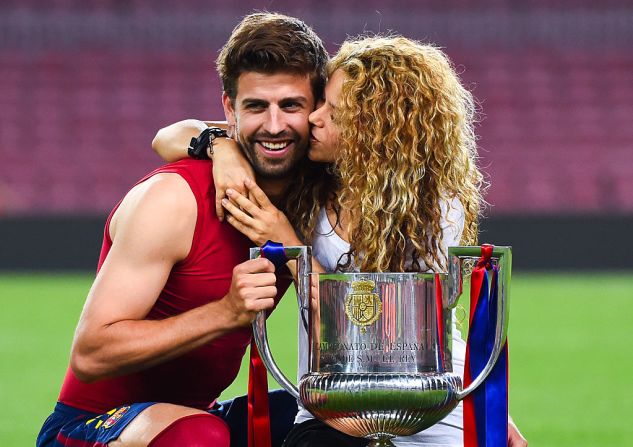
x=216 y=144
x=202 y=147
x=292 y=240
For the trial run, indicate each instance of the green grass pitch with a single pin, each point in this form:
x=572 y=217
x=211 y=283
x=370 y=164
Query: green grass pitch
x=570 y=352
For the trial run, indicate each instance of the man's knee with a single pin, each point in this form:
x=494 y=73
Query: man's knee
x=196 y=430
x=283 y=409
x=314 y=433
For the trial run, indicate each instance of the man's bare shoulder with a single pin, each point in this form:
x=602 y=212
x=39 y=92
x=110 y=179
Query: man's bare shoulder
x=163 y=209
x=166 y=190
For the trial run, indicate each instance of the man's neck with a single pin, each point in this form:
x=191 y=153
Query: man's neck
x=274 y=188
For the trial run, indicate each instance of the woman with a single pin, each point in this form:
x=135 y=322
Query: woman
x=396 y=130
x=397 y=127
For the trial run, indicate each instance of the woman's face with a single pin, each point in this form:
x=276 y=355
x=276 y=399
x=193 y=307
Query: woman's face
x=324 y=144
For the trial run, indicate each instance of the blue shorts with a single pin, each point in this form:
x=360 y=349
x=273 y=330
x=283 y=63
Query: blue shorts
x=69 y=426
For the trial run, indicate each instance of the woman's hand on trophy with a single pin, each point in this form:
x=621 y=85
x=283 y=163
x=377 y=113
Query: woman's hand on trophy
x=515 y=438
x=257 y=218
x=230 y=171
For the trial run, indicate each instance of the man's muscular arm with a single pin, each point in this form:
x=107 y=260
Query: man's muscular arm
x=151 y=231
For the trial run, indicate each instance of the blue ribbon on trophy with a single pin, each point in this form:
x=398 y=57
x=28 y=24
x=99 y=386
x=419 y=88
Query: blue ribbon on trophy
x=274 y=251
x=486 y=409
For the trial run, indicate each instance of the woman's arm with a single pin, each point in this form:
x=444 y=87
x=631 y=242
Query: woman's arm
x=230 y=168
x=171 y=142
x=258 y=219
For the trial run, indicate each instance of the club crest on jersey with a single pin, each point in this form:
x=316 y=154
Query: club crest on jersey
x=115 y=417
x=363 y=307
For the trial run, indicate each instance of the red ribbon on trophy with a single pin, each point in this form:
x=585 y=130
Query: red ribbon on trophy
x=258 y=409
x=486 y=408
x=258 y=412
x=439 y=317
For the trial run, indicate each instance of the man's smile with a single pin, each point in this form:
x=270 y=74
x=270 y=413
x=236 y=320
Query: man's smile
x=275 y=149
x=275 y=145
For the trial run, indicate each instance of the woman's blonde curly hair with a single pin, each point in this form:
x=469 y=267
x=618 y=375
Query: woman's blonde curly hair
x=407 y=143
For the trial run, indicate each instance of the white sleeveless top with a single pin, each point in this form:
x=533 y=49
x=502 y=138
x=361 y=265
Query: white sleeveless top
x=327 y=249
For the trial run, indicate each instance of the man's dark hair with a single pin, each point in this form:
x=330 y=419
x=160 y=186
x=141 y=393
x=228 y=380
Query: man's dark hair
x=271 y=43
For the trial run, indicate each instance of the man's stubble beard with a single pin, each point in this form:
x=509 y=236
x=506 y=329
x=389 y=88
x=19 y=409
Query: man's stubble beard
x=270 y=170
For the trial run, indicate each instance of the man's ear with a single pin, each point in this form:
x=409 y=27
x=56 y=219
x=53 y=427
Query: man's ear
x=229 y=110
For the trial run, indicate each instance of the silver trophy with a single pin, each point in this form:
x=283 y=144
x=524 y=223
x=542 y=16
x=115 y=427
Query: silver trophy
x=380 y=344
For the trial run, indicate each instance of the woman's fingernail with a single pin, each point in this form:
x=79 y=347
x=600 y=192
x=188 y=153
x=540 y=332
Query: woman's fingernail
x=225 y=201
x=229 y=192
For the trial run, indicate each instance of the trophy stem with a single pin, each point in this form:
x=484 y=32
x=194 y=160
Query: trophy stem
x=380 y=442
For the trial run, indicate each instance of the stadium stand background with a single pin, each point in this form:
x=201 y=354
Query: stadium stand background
x=84 y=86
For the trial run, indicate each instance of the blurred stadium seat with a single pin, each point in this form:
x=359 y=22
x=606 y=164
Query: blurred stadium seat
x=77 y=114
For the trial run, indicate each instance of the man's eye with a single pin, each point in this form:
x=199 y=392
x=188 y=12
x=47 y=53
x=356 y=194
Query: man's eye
x=255 y=107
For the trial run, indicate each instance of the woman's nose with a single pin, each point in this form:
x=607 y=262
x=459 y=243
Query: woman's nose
x=315 y=117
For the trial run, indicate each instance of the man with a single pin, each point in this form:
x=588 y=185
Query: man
x=167 y=320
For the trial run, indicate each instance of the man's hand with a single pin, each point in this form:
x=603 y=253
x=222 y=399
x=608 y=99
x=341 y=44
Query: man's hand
x=252 y=290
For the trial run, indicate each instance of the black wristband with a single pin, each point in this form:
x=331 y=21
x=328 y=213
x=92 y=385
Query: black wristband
x=198 y=146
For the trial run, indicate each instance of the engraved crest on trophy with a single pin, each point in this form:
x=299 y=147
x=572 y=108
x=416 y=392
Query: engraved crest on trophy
x=363 y=307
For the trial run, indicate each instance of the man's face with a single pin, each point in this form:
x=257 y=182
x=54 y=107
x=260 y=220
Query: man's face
x=270 y=115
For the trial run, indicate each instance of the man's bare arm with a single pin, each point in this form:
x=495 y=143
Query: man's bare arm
x=151 y=231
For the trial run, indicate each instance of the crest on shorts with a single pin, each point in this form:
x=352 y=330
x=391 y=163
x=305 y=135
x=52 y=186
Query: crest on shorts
x=115 y=417
x=363 y=307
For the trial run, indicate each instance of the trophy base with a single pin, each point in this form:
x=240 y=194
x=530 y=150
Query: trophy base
x=380 y=406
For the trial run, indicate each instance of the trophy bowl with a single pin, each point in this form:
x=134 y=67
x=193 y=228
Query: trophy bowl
x=380 y=405
x=380 y=346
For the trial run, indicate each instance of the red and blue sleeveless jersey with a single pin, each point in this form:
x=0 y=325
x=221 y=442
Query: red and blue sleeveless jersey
x=196 y=378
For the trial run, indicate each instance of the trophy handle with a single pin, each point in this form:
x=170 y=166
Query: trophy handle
x=503 y=257
x=303 y=255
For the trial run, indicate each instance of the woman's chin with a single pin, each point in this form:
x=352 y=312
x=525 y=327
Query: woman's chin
x=319 y=156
